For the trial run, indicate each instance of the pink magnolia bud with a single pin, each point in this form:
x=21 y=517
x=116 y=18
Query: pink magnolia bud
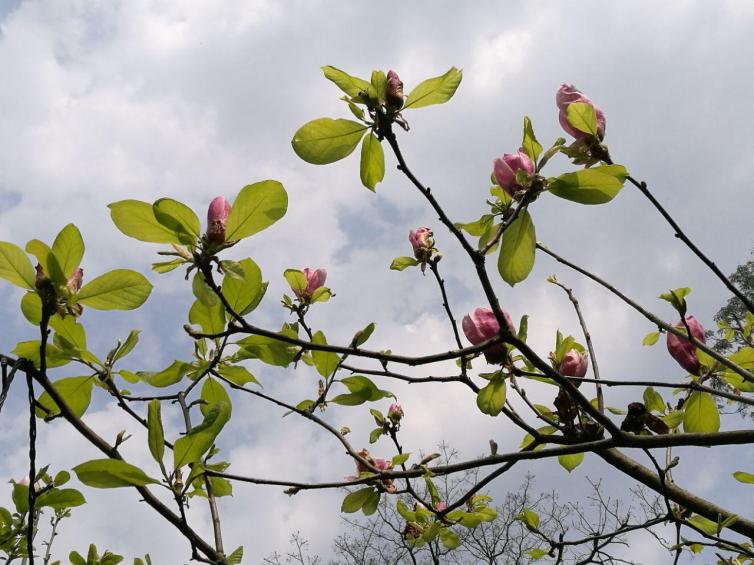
x=481 y=325
x=394 y=94
x=574 y=364
x=217 y=217
x=683 y=350
x=421 y=241
x=395 y=413
x=314 y=280
x=382 y=464
x=440 y=506
x=25 y=481
x=76 y=279
x=505 y=169
x=568 y=94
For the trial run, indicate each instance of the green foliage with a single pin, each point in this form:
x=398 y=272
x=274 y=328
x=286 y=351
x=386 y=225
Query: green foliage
x=491 y=398
x=358 y=499
x=137 y=219
x=245 y=293
x=179 y=219
x=529 y=518
x=400 y=263
x=111 y=473
x=168 y=376
x=351 y=85
x=156 y=434
x=529 y=143
x=517 y=250
x=197 y=442
x=76 y=392
x=326 y=140
x=651 y=338
x=597 y=185
x=324 y=361
x=361 y=390
x=583 y=117
x=700 y=414
x=121 y=289
x=68 y=249
x=372 y=169
x=571 y=461
x=437 y=90
x=15 y=266
x=653 y=401
x=212 y=393
x=256 y=207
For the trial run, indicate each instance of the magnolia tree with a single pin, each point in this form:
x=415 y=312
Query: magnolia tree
x=494 y=363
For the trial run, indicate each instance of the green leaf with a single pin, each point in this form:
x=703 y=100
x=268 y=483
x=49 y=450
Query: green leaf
x=400 y=459
x=69 y=331
x=324 y=361
x=76 y=393
x=597 y=185
x=256 y=208
x=673 y=419
x=583 y=117
x=15 y=266
x=235 y=557
x=111 y=473
x=178 y=218
x=742 y=477
x=479 y=227
x=61 y=478
x=370 y=505
x=537 y=553
x=517 y=251
x=297 y=280
x=491 y=398
x=528 y=438
x=326 y=140
x=379 y=83
x=269 y=350
x=162 y=267
x=571 y=461
x=353 y=86
x=400 y=263
x=156 y=434
x=196 y=443
x=375 y=434
x=361 y=390
x=530 y=144
x=372 y=169
x=356 y=499
x=677 y=299
x=47 y=260
x=20 y=497
x=237 y=375
x=201 y=290
x=59 y=499
x=700 y=414
x=68 y=249
x=653 y=401
x=210 y=318
x=244 y=294
x=651 y=338
x=30 y=350
x=31 y=308
x=127 y=347
x=168 y=376
x=706 y=525
x=212 y=393
x=529 y=518
x=449 y=538
x=437 y=90
x=121 y=289
x=361 y=336
x=136 y=219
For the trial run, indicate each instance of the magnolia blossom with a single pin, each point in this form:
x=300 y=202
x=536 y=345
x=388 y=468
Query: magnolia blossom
x=506 y=167
x=568 y=94
x=395 y=413
x=683 y=350
x=421 y=241
x=574 y=364
x=217 y=217
x=394 y=93
x=481 y=325
x=314 y=280
x=380 y=464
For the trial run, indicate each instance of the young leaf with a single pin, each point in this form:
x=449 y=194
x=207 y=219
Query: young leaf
x=653 y=401
x=60 y=499
x=178 y=218
x=651 y=338
x=212 y=393
x=742 y=477
x=121 y=289
x=491 y=398
x=111 y=473
x=168 y=376
x=353 y=86
x=68 y=249
x=210 y=318
x=583 y=117
x=597 y=185
x=324 y=361
x=356 y=499
x=197 y=442
x=571 y=461
x=76 y=393
x=437 y=90
x=237 y=375
x=372 y=169
x=156 y=434
x=244 y=294
x=136 y=219
x=400 y=263
x=256 y=207
x=517 y=251
x=700 y=414
x=326 y=140
x=530 y=144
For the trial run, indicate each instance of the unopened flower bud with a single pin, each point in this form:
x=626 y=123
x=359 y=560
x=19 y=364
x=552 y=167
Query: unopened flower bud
x=41 y=278
x=25 y=481
x=574 y=364
x=683 y=350
x=395 y=413
x=315 y=278
x=75 y=280
x=440 y=506
x=568 y=94
x=506 y=167
x=217 y=217
x=422 y=243
x=481 y=325
x=394 y=94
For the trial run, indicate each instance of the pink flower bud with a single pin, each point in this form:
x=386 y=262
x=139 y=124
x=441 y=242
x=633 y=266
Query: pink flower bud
x=382 y=464
x=394 y=94
x=505 y=169
x=25 y=481
x=421 y=241
x=395 y=413
x=683 y=350
x=76 y=279
x=440 y=506
x=568 y=94
x=481 y=325
x=574 y=364
x=314 y=280
x=217 y=217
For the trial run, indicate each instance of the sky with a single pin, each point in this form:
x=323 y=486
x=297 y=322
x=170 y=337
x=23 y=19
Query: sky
x=108 y=100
